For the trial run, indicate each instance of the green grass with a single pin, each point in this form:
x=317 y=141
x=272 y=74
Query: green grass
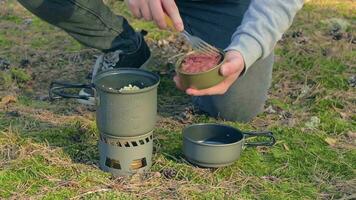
x=309 y=157
x=5 y=79
x=4 y=42
x=20 y=75
x=12 y=18
x=48 y=150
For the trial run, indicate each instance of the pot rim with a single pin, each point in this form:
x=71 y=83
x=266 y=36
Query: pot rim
x=213 y=145
x=116 y=71
x=179 y=63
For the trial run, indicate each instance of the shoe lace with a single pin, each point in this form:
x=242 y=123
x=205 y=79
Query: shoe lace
x=105 y=62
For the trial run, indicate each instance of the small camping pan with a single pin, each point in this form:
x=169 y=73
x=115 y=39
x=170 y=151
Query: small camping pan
x=217 y=145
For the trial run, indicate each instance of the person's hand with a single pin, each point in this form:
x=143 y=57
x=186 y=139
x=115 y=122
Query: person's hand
x=155 y=10
x=231 y=69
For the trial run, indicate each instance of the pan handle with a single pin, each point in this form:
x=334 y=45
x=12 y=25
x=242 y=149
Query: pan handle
x=57 y=90
x=268 y=134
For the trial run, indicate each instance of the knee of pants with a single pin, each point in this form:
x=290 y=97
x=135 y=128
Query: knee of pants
x=52 y=12
x=246 y=97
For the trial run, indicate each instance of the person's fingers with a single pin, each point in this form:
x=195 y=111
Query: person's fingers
x=218 y=89
x=145 y=11
x=234 y=63
x=157 y=13
x=171 y=9
x=134 y=8
x=177 y=82
x=232 y=69
x=229 y=68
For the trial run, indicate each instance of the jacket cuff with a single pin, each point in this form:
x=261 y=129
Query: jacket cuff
x=248 y=46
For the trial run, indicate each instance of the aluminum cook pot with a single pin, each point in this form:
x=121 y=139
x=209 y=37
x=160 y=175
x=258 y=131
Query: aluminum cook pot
x=119 y=113
x=216 y=145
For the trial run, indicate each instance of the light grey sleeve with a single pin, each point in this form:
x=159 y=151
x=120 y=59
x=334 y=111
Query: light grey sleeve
x=262 y=26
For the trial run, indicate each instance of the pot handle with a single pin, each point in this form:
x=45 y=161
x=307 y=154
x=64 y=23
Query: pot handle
x=56 y=90
x=268 y=134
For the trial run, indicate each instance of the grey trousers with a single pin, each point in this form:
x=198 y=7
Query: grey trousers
x=93 y=24
x=245 y=98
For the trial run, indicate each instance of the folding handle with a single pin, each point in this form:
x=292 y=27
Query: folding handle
x=268 y=134
x=57 y=90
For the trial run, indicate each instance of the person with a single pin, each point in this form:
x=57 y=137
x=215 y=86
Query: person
x=247 y=30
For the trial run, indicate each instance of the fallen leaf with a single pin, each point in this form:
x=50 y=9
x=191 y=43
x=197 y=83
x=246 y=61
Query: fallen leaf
x=262 y=149
x=157 y=175
x=270 y=110
x=313 y=123
x=351 y=134
x=331 y=141
x=352 y=81
x=136 y=178
x=343 y=115
x=4 y=64
x=169 y=173
x=286 y=147
x=304 y=91
x=7 y=100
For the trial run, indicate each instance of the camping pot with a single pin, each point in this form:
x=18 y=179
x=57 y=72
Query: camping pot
x=200 y=80
x=120 y=113
x=216 y=145
x=123 y=156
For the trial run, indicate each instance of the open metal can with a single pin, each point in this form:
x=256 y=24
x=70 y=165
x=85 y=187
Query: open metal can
x=200 y=80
